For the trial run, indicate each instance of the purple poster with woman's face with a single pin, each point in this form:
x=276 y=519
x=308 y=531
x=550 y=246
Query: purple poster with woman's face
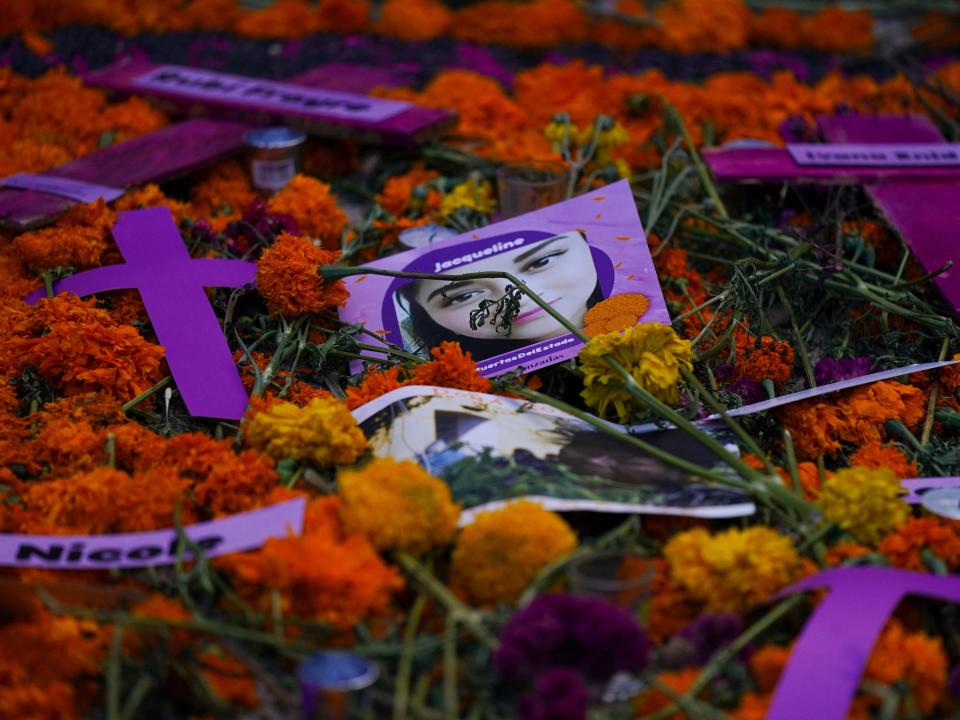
x=574 y=255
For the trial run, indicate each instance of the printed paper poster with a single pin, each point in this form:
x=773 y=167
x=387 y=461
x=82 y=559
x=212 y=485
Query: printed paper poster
x=492 y=449
x=573 y=254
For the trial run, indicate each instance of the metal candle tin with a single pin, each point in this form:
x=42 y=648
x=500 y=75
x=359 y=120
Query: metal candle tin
x=276 y=155
x=333 y=685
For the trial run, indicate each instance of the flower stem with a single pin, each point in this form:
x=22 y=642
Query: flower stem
x=442 y=594
x=130 y=404
x=401 y=692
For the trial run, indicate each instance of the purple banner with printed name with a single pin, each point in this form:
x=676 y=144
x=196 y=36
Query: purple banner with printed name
x=573 y=255
x=270 y=95
x=876 y=154
x=243 y=531
x=79 y=190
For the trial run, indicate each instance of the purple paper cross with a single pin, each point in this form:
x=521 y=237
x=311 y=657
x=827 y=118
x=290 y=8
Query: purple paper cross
x=171 y=284
x=829 y=657
x=921 y=202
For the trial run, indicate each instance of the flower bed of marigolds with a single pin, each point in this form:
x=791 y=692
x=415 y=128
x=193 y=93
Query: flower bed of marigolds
x=771 y=290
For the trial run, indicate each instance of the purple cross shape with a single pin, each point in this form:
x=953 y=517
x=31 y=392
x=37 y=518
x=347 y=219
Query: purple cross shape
x=921 y=202
x=829 y=657
x=171 y=284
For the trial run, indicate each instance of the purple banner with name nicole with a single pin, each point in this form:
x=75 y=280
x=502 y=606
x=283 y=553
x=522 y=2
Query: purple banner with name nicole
x=243 y=531
x=78 y=190
x=876 y=154
x=574 y=255
x=186 y=82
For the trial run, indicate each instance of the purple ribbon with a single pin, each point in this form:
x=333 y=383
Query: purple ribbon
x=171 y=284
x=829 y=657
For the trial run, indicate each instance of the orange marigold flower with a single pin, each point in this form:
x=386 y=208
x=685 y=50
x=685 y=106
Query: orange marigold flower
x=80 y=349
x=409 y=191
x=225 y=189
x=152 y=196
x=903 y=545
x=836 y=29
x=309 y=202
x=764 y=359
x=43 y=659
x=501 y=551
x=288 y=280
x=767 y=664
x=323 y=433
x=875 y=454
x=777 y=27
x=843 y=552
x=398 y=505
x=105 y=500
x=615 y=313
x=915 y=659
x=414 y=20
x=78 y=240
x=671 y=607
x=350 y=584
x=375 y=383
x=856 y=416
x=452 y=368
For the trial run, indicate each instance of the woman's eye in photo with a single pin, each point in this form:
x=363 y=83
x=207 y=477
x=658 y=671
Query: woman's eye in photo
x=460 y=297
x=543 y=262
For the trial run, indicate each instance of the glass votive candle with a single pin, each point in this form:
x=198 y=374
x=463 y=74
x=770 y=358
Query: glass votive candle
x=621 y=578
x=333 y=686
x=531 y=186
x=276 y=155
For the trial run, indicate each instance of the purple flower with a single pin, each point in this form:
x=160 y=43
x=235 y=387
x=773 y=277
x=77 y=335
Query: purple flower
x=267 y=224
x=829 y=370
x=558 y=694
x=709 y=633
x=585 y=633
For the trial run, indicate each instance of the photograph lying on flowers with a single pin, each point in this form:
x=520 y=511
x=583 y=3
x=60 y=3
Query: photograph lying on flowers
x=479 y=360
x=491 y=449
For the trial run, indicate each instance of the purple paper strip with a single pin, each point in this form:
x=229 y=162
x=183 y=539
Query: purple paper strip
x=912 y=485
x=79 y=190
x=243 y=531
x=924 y=212
x=776 y=402
x=876 y=154
x=239 y=91
x=828 y=659
x=171 y=285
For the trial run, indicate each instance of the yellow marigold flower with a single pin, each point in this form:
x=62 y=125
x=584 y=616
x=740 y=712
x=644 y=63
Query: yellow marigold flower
x=651 y=352
x=864 y=502
x=733 y=570
x=398 y=505
x=323 y=433
x=502 y=550
x=470 y=194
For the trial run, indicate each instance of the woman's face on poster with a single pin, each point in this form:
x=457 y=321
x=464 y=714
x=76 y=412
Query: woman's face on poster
x=559 y=269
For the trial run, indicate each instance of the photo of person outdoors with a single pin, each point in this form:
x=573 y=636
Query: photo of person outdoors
x=561 y=269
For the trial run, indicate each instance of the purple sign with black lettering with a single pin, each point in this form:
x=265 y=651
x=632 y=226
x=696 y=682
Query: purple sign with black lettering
x=876 y=154
x=573 y=255
x=242 y=91
x=243 y=531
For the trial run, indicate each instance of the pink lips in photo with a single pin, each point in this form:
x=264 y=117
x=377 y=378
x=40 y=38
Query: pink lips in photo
x=531 y=314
